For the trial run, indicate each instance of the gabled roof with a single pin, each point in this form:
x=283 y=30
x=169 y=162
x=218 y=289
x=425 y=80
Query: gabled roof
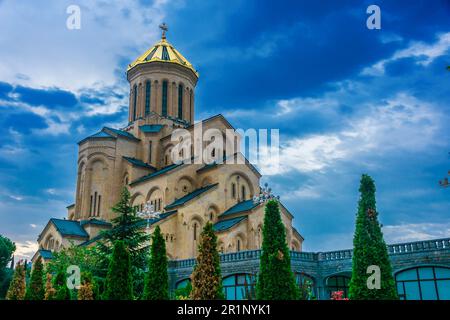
x=110 y=133
x=227 y=224
x=100 y=134
x=45 y=254
x=95 y=221
x=121 y=133
x=155 y=174
x=138 y=163
x=151 y=128
x=190 y=196
x=69 y=228
x=240 y=207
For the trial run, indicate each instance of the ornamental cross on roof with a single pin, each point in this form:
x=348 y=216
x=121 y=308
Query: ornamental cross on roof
x=164 y=28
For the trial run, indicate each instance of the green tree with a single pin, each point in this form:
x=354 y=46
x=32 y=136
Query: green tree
x=207 y=278
x=50 y=291
x=86 y=290
x=276 y=280
x=369 y=249
x=157 y=279
x=128 y=228
x=60 y=285
x=17 y=286
x=35 y=290
x=87 y=259
x=119 y=284
x=7 y=248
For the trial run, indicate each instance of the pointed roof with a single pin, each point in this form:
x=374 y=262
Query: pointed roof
x=110 y=133
x=190 y=196
x=227 y=224
x=162 y=51
x=69 y=228
x=240 y=207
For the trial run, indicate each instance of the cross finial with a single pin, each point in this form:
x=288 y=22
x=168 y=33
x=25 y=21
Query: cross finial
x=164 y=28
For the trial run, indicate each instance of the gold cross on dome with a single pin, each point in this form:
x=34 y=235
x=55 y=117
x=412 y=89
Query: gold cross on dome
x=163 y=26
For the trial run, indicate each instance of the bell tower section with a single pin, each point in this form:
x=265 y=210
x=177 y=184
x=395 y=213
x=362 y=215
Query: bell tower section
x=162 y=82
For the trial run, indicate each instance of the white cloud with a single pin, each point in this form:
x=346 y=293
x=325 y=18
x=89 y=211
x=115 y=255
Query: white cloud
x=305 y=192
x=17 y=198
x=415 y=232
x=426 y=53
x=33 y=225
x=25 y=250
x=73 y=59
x=401 y=123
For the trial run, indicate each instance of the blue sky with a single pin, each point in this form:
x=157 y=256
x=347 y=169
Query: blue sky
x=347 y=101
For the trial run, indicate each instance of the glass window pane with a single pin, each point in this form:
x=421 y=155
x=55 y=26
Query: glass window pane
x=410 y=274
x=426 y=273
x=241 y=279
x=444 y=289
x=442 y=273
x=428 y=290
x=332 y=281
x=240 y=294
x=230 y=293
x=412 y=290
x=183 y=284
x=400 y=288
x=228 y=281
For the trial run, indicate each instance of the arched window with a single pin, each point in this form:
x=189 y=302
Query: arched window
x=134 y=101
x=95 y=203
x=338 y=283
x=306 y=284
x=233 y=190
x=424 y=283
x=239 y=287
x=195 y=231
x=183 y=283
x=164 y=98
x=191 y=112
x=180 y=101
x=243 y=193
x=147 y=97
x=98 y=206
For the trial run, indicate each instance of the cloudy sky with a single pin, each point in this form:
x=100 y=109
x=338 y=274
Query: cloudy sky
x=347 y=101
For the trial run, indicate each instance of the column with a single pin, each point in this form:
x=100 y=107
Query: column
x=169 y=98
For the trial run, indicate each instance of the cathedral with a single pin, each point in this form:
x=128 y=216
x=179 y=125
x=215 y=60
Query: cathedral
x=183 y=196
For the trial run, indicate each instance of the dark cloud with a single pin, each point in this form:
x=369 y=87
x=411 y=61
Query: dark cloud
x=51 y=98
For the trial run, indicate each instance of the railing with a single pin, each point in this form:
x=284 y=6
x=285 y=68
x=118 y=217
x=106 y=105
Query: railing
x=419 y=246
x=393 y=249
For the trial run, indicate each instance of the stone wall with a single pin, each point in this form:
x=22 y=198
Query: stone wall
x=322 y=265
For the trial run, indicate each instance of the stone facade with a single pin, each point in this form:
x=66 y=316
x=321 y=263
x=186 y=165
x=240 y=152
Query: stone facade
x=143 y=157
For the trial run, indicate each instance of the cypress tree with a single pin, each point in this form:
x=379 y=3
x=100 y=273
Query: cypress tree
x=17 y=286
x=206 y=278
x=369 y=249
x=86 y=290
x=35 y=290
x=119 y=284
x=157 y=280
x=62 y=292
x=276 y=280
x=50 y=291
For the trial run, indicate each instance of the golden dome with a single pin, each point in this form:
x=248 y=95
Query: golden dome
x=163 y=51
